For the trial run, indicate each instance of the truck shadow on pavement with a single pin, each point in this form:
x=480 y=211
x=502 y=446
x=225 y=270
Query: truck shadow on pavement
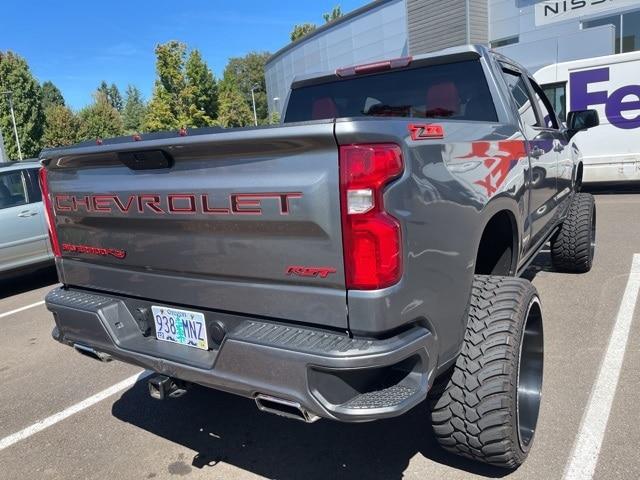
x=21 y=282
x=224 y=428
x=542 y=263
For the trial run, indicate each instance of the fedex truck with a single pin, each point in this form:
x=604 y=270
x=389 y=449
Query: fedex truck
x=610 y=85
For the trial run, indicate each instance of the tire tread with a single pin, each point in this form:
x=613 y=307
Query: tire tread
x=472 y=410
x=571 y=247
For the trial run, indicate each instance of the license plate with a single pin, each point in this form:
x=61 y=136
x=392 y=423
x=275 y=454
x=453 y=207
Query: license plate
x=183 y=327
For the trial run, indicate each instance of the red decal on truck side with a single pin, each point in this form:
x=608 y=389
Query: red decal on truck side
x=498 y=158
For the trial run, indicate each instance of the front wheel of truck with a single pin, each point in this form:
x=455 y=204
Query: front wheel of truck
x=486 y=408
x=574 y=246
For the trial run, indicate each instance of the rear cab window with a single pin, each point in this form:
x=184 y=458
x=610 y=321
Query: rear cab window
x=456 y=91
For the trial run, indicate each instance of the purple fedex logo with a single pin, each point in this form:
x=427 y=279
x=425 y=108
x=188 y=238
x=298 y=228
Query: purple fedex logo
x=624 y=99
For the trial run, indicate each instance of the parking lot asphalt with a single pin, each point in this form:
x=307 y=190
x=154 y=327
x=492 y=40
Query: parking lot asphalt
x=213 y=435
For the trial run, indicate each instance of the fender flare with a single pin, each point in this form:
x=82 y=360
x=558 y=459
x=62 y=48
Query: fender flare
x=510 y=206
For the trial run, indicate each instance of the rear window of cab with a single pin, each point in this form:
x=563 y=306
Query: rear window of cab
x=456 y=91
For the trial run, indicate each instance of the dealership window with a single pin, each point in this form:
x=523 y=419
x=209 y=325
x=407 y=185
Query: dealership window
x=631 y=31
x=557 y=95
x=627 y=28
x=503 y=42
x=615 y=20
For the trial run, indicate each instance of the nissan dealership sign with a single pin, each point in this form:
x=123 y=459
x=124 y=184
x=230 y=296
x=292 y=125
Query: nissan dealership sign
x=551 y=11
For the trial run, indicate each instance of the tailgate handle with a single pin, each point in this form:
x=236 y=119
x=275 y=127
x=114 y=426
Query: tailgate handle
x=146 y=159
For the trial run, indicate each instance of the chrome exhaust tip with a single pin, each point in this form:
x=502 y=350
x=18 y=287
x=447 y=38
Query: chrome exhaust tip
x=284 y=408
x=92 y=353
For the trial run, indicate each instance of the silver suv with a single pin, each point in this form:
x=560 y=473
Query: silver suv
x=23 y=229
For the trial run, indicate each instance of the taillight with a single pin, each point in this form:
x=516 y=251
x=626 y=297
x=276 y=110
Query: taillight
x=48 y=210
x=371 y=237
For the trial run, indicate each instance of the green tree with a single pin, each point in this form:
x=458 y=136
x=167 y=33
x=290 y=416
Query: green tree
x=184 y=93
x=249 y=72
x=334 y=14
x=115 y=99
x=134 y=110
x=160 y=115
x=51 y=95
x=202 y=91
x=301 y=30
x=99 y=120
x=112 y=94
x=168 y=105
x=103 y=89
x=233 y=110
x=15 y=77
x=274 y=118
x=61 y=127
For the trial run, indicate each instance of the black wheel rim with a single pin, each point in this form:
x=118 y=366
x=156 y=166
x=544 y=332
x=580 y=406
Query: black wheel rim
x=530 y=374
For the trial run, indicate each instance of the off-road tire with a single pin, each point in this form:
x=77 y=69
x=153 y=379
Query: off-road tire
x=476 y=408
x=573 y=247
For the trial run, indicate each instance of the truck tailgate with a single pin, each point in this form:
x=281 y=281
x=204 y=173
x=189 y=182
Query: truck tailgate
x=242 y=221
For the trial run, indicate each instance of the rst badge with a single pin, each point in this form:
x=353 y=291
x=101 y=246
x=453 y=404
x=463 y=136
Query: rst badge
x=318 y=272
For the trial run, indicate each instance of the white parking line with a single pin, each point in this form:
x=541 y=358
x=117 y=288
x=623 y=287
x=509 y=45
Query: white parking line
x=78 y=407
x=584 y=457
x=21 y=309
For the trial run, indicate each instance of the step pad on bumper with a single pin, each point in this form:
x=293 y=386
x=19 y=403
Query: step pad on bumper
x=301 y=339
x=78 y=299
x=387 y=398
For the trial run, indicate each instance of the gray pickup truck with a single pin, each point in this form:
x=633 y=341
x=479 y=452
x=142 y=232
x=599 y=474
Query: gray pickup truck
x=348 y=264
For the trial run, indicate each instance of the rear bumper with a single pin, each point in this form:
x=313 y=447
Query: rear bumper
x=329 y=374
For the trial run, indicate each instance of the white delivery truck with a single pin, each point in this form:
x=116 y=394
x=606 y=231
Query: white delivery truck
x=610 y=85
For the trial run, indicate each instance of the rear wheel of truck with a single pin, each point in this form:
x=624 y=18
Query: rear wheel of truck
x=486 y=408
x=574 y=246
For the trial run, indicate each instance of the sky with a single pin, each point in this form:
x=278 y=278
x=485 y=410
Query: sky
x=77 y=44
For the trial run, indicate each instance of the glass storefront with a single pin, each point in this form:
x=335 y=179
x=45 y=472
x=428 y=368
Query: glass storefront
x=627 y=28
x=631 y=31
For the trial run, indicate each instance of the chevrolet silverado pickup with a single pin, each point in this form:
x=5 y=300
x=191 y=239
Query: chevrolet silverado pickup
x=356 y=260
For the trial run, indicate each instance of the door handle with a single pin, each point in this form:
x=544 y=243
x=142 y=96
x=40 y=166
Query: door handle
x=27 y=214
x=537 y=152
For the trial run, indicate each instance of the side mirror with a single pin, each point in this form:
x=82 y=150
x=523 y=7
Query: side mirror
x=581 y=120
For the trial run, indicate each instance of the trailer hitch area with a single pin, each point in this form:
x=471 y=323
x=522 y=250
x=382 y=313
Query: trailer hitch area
x=162 y=387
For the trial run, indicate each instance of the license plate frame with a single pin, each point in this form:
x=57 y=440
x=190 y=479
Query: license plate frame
x=180 y=327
